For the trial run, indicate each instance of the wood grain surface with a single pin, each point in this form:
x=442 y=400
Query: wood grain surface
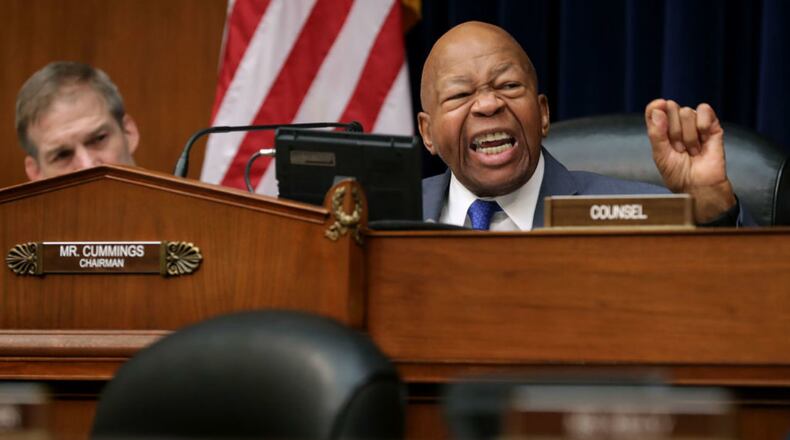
x=704 y=297
x=163 y=55
x=256 y=253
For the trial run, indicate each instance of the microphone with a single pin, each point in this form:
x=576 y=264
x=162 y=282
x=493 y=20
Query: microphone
x=182 y=166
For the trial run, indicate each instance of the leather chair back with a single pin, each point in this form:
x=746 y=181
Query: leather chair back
x=617 y=145
x=262 y=374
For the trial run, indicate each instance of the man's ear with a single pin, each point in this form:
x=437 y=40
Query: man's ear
x=32 y=169
x=131 y=132
x=544 y=115
x=424 y=125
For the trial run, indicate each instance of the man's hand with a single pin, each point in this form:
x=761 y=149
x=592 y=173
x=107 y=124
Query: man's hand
x=688 y=148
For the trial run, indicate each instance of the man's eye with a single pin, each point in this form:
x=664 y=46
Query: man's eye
x=63 y=156
x=97 y=139
x=459 y=95
x=511 y=85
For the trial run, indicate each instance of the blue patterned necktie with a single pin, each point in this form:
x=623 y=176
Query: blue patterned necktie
x=480 y=213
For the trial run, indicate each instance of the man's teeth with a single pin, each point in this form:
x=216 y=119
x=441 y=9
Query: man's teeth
x=494 y=150
x=490 y=137
x=501 y=140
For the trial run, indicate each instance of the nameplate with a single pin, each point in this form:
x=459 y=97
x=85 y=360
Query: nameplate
x=618 y=411
x=627 y=210
x=121 y=257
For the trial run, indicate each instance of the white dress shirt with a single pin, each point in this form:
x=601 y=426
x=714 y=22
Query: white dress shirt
x=518 y=207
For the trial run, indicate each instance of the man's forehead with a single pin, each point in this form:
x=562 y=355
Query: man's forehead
x=488 y=68
x=73 y=102
x=467 y=47
x=73 y=93
x=70 y=116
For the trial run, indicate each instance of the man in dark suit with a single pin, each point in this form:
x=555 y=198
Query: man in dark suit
x=483 y=116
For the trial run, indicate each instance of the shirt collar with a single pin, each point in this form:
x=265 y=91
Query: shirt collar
x=518 y=205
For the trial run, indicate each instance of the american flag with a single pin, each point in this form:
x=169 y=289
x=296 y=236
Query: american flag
x=288 y=61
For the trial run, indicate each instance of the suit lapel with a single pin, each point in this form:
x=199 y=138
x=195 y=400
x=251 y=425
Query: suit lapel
x=557 y=181
x=434 y=193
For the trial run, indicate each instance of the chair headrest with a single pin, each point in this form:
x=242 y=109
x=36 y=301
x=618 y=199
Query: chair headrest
x=617 y=145
x=281 y=374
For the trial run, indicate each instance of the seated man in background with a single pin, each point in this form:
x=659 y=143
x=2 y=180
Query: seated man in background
x=483 y=116
x=70 y=116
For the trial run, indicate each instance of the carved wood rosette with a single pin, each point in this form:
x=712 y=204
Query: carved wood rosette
x=180 y=258
x=23 y=259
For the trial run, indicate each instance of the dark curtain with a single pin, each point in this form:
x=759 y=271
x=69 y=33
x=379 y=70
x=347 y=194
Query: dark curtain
x=614 y=56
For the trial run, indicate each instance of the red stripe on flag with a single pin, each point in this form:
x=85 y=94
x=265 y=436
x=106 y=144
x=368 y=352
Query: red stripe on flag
x=242 y=23
x=381 y=69
x=289 y=89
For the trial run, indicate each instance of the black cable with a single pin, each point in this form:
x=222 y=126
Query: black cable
x=248 y=167
x=182 y=166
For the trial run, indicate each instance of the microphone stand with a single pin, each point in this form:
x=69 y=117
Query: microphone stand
x=182 y=166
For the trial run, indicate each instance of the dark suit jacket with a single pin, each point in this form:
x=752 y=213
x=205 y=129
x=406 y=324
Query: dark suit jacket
x=557 y=181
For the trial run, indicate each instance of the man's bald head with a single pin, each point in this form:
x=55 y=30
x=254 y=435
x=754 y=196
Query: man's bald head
x=482 y=113
x=456 y=41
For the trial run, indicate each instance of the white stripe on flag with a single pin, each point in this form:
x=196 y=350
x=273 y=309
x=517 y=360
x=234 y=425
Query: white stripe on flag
x=275 y=36
x=268 y=184
x=330 y=91
x=228 y=11
x=396 y=116
x=336 y=80
x=338 y=76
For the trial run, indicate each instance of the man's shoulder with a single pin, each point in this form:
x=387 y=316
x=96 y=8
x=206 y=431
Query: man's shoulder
x=558 y=180
x=588 y=183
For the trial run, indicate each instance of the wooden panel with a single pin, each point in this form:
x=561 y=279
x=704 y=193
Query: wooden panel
x=757 y=418
x=424 y=420
x=73 y=409
x=678 y=374
x=163 y=55
x=767 y=420
x=705 y=297
x=255 y=252
x=71 y=413
x=703 y=307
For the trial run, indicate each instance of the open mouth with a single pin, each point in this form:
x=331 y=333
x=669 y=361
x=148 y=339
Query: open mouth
x=493 y=143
